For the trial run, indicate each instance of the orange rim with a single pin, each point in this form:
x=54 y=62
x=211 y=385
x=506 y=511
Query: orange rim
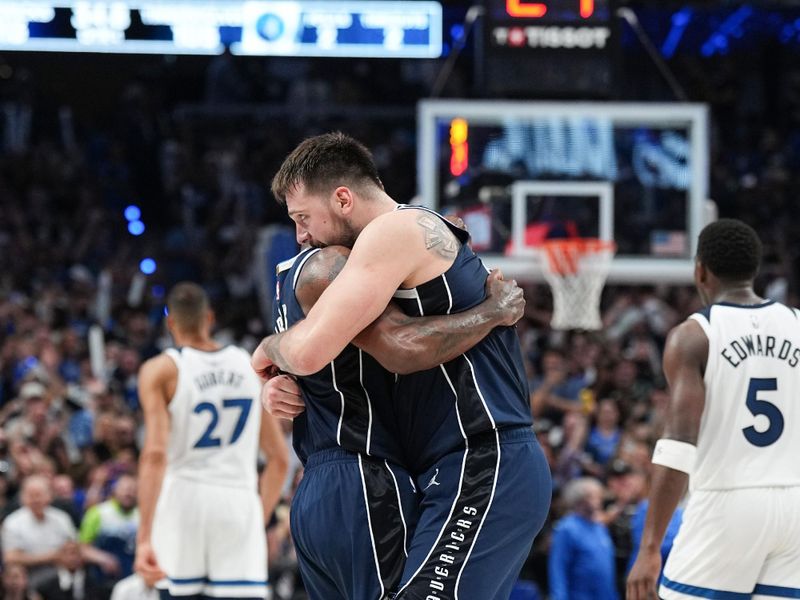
x=563 y=255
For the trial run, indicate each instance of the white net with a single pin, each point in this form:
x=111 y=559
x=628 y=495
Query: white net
x=576 y=270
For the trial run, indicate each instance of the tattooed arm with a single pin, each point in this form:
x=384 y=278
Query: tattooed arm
x=404 y=344
x=397 y=249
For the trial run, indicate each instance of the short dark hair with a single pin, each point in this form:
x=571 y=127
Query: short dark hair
x=322 y=163
x=187 y=304
x=730 y=249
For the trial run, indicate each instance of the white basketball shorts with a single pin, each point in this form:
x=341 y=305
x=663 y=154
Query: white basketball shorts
x=210 y=540
x=736 y=545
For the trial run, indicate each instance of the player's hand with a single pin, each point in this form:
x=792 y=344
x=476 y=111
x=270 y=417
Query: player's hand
x=643 y=578
x=262 y=365
x=146 y=564
x=281 y=397
x=504 y=298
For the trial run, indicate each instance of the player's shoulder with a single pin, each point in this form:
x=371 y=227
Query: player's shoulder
x=398 y=230
x=158 y=368
x=159 y=361
x=326 y=263
x=687 y=341
x=318 y=273
x=298 y=259
x=790 y=311
x=686 y=331
x=398 y=219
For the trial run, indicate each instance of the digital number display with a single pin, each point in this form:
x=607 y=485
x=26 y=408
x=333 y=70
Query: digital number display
x=548 y=47
x=562 y=11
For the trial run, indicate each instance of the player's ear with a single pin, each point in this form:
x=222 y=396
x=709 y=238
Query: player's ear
x=211 y=319
x=343 y=199
x=170 y=324
x=701 y=273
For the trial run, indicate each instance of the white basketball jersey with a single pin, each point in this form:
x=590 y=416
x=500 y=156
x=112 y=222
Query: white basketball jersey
x=750 y=430
x=215 y=417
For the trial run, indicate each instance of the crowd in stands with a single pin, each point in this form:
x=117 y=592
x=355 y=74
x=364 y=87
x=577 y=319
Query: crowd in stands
x=70 y=422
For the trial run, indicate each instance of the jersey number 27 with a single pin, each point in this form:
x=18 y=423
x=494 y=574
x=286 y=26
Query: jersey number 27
x=207 y=440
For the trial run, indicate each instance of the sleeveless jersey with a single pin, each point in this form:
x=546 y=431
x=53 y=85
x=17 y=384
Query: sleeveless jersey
x=480 y=391
x=750 y=429
x=348 y=403
x=215 y=417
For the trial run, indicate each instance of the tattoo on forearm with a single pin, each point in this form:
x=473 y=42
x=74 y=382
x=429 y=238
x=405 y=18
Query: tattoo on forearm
x=272 y=348
x=443 y=335
x=438 y=238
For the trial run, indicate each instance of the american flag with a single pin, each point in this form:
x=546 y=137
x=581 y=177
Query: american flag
x=667 y=243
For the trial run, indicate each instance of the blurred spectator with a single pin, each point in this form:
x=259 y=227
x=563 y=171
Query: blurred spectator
x=71 y=580
x=626 y=487
x=80 y=419
x=111 y=525
x=32 y=423
x=626 y=387
x=604 y=436
x=33 y=535
x=581 y=563
x=556 y=391
x=15 y=583
x=571 y=459
x=64 y=497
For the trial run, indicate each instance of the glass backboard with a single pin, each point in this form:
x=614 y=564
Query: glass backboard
x=522 y=172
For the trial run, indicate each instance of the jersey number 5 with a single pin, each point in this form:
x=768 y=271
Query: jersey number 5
x=761 y=407
x=207 y=440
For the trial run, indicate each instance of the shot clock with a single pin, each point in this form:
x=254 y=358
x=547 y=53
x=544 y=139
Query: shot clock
x=550 y=10
x=548 y=48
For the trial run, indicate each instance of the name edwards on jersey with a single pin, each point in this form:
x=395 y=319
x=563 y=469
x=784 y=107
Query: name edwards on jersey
x=210 y=379
x=768 y=346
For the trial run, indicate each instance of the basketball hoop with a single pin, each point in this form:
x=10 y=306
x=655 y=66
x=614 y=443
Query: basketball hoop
x=576 y=269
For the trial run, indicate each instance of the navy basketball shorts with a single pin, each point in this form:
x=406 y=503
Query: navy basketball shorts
x=351 y=521
x=480 y=510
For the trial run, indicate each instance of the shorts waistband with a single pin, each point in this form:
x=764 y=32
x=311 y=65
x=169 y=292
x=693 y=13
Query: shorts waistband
x=330 y=455
x=508 y=434
x=340 y=455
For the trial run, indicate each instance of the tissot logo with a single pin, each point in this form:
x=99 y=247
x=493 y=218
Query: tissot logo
x=538 y=36
x=270 y=27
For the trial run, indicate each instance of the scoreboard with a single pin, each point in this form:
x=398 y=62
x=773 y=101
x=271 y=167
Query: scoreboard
x=558 y=48
x=350 y=28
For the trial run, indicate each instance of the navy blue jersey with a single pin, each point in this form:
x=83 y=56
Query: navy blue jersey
x=348 y=403
x=484 y=389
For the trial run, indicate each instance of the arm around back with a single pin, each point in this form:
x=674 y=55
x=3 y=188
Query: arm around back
x=386 y=253
x=404 y=344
